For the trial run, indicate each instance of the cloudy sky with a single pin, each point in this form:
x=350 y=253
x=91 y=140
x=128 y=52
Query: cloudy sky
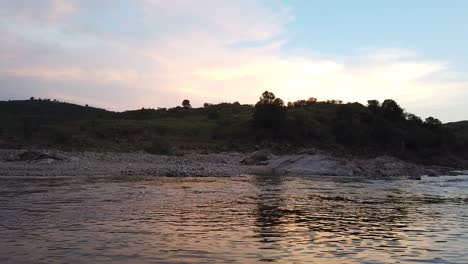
x=128 y=54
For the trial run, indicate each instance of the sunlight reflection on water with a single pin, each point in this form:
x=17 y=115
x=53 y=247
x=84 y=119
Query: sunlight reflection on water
x=237 y=220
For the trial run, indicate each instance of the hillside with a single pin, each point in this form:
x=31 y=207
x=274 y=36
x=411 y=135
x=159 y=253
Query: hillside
x=67 y=126
x=343 y=129
x=50 y=110
x=460 y=132
x=460 y=127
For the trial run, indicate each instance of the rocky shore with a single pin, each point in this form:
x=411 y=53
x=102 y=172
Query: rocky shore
x=48 y=163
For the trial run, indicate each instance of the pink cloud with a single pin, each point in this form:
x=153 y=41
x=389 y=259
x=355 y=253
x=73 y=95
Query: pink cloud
x=204 y=50
x=38 y=11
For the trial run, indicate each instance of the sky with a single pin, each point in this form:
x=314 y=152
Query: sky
x=129 y=54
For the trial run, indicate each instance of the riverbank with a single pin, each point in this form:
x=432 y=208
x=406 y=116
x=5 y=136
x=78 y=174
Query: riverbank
x=49 y=163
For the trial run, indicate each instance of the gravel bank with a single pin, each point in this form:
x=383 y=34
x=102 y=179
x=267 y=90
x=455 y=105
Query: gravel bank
x=121 y=164
x=17 y=163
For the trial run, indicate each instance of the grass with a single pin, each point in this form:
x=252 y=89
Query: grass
x=157 y=136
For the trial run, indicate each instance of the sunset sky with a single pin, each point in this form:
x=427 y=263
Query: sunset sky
x=128 y=54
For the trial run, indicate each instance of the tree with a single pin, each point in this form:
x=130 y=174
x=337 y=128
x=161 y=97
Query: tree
x=432 y=123
x=299 y=103
x=373 y=105
x=311 y=100
x=186 y=104
x=269 y=113
x=302 y=103
x=269 y=98
x=414 y=119
x=392 y=111
x=334 y=101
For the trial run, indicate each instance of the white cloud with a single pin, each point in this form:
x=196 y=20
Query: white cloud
x=222 y=21
x=157 y=52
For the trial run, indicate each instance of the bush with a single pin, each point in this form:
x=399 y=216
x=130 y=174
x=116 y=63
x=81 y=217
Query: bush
x=159 y=146
x=61 y=138
x=213 y=115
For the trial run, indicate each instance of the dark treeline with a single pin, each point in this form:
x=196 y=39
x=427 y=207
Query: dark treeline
x=374 y=129
x=344 y=128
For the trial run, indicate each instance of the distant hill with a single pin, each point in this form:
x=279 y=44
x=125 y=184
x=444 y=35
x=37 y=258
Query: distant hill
x=457 y=126
x=342 y=128
x=50 y=110
x=460 y=131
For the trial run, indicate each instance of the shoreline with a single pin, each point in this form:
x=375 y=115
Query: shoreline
x=51 y=163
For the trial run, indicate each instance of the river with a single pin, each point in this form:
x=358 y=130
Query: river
x=250 y=219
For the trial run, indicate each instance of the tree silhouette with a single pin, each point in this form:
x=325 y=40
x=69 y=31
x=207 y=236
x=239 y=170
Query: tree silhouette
x=432 y=123
x=392 y=111
x=269 y=98
x=373 y=105
x=414 y=119
x=269 y=113
x=186 y=104
x=303 y=103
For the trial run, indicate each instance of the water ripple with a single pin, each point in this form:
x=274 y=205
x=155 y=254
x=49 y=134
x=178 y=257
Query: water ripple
x=234 y=220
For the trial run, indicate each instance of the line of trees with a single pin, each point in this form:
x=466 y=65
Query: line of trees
x=384 y=127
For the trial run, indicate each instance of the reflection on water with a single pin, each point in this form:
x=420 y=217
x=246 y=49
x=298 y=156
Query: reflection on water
x=237 y=220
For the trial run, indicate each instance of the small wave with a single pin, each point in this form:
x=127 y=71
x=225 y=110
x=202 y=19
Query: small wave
x=464 y=179
x=459 y=178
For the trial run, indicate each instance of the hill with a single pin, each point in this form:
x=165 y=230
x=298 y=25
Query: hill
x=344 y=129
x=460 y=132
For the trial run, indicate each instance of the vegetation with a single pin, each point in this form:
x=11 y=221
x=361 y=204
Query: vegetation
x=186 y=104
x=344 y=128
x=269 y=115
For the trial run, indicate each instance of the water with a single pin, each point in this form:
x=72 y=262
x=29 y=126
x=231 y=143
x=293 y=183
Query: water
x=233 y=220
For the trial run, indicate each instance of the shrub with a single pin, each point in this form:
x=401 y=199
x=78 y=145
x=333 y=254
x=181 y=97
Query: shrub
x=213 y=115
x=159 y=146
